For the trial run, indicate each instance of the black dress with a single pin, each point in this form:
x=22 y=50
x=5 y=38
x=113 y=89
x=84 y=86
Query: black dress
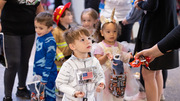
x=171 y=41
x=159 y=19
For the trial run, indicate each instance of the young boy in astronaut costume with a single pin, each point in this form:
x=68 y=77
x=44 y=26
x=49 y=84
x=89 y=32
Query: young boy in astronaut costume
x=81 y=75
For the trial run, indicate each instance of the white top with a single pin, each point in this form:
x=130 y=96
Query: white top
x=67 y=80
x=122 y=8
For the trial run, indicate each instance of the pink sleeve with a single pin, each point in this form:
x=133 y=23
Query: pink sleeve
x=98 y=50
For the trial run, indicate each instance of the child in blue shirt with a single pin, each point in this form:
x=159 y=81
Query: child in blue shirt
x=45 y=54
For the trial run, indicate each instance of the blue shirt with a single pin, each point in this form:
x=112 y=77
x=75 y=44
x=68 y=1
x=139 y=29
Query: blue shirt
x=45 y=56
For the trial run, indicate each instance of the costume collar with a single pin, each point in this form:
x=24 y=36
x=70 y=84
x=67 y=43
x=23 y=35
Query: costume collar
x=62 y=27
x=115 y=44
x=82 y=60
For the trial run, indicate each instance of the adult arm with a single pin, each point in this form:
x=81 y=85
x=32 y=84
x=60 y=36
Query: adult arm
x=151 y=52
x=39 y=8
x=149 y=5
x=171 y=41
x=133 y=16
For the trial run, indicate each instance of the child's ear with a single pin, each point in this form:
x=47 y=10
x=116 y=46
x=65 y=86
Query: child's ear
x=71 y=46
x=50 y=28
x=101 y=33
x=96 y=21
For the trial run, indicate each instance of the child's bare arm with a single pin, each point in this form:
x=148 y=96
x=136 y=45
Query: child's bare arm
x=103 y=58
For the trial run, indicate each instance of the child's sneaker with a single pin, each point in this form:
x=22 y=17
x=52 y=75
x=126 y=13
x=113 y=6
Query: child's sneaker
x=41 y=92
x=41 y=96
x=33 y=97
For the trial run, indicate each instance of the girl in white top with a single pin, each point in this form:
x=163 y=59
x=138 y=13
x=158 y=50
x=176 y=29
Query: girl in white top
x=89 y=20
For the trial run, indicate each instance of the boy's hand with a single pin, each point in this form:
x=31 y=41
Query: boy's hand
x=100 y=87
x=79 y=94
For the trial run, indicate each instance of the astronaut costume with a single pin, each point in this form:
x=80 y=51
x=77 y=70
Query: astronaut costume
x=69 y=80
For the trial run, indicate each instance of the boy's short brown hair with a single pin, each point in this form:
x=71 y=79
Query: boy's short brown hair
x=74 y=33
x=44 y=18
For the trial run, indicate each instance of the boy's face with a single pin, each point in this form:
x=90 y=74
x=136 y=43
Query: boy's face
x=87 y=21
x=41 y=29
x=82 y=45
x=68 y=18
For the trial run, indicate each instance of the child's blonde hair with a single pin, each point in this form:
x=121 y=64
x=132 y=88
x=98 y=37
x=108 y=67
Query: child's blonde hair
x=74 y=33
x=91 y=12
x=94 y=14
x=44 y=18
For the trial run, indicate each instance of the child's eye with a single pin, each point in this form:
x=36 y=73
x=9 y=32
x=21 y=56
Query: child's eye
x=89 y=38
x=69 y=14
x=108 y=31
x=82 y=39
x=41 y=28
x=115 y=31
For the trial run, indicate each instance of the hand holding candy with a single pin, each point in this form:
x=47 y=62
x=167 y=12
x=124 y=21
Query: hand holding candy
x=141 y=61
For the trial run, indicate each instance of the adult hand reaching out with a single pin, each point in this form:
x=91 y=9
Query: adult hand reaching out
x=151 y=52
